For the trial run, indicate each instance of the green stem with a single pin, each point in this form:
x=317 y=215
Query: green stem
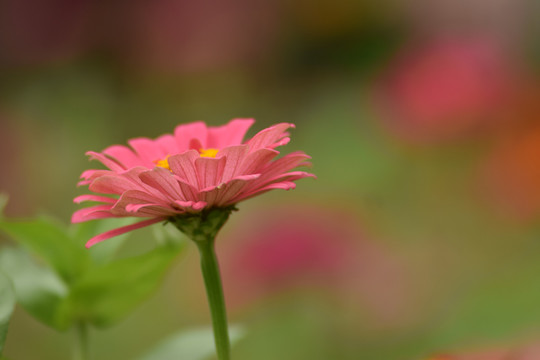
x=214 y=292
x=81 y=347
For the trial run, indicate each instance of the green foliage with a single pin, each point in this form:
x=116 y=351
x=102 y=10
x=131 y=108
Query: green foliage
x=51 y=242
x=7 y=304
x=63 y=283
x=39 y=290
x=106 y=250
x=111 y=291
x=189 y=345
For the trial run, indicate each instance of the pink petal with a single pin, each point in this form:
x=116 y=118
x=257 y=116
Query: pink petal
x=265 y=183
x=209 y=171
x=93 y=173
x=148 y=150
x=282 y=142
x=234 y=155
x=184 y=134
x=162 y=180
x=121 y=230
x=195 y=144
x=286 y=185
x=90 y=197
x=133 y=175
x=91 y=213
x=191 y=205
x=265 y=179
x=123 y=155
x=284 y=164
x=183 y=166
x=277 y=171
x=110 y=184
x=190 y=193
x=90 y=175
x=229 y=134
x=136 y=197
x=269 y=137
x=221 y=195
x=167 y=144
x=108 y=162
x=145 y=210
x=293 y=175
x=256 y=161
x=139 y=203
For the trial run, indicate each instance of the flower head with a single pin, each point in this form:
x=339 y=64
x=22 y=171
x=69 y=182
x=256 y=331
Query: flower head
x=195 y=170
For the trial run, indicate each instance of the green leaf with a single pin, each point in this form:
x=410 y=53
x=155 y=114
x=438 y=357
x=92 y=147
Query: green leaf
x=190 y=345
x=51 y=242
x=107 y=293
x=7 y=304
x=39 y=290
x=106 y=251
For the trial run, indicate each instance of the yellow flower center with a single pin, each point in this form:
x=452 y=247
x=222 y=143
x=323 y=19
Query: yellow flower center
x=210 y=152
x=164 y=163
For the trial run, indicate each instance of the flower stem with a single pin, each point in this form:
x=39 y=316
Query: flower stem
x=81 y=347
x=214 y=292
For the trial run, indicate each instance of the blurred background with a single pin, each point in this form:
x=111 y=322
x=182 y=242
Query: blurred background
x=421 y=233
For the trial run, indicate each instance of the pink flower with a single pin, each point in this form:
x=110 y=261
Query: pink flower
x=445 y=88
x=318 y=248
x=196 y=169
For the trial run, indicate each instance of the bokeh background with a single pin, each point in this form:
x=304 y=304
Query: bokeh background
x=421 y=233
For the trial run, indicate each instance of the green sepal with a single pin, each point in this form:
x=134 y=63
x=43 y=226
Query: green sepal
x=203 y=225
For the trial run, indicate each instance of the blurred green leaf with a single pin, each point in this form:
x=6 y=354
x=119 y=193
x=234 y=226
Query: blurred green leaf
x=39 y=290
x=95 y=288
x=190 y=345
x=109 y=292
x=106 y=250
x=7 y=304
x=51 y=242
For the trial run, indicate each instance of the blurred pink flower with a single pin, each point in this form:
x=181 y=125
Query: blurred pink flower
x=314 y=248
x=445 y=88
x=196 y=169
x=293 y=244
